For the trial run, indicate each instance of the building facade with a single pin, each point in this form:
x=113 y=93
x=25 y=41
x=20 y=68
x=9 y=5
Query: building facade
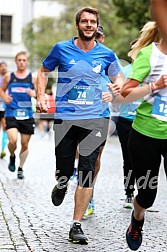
x=14 y=15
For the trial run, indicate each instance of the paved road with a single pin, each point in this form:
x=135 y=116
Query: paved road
x=30 y=223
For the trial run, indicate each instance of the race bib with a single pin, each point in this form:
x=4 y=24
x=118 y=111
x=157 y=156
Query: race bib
x=21 y=114
x=159 y=109
x=83 y=95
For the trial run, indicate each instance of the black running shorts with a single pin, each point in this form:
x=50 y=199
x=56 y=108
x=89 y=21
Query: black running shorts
x=24 y=126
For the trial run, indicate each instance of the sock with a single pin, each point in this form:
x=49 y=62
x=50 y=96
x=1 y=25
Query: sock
x=12 y=159
x=4 y=140
x=136 y=222
x=20 y=169
x=74 y=221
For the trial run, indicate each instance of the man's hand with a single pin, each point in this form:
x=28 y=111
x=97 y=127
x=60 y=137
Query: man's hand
x=42 y=104
x=31 y=92
x=114 y=88
x=7 y=99
x=107 y=97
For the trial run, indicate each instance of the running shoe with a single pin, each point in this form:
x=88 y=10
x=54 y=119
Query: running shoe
x=134 y=235
x=91 y=208
x=76 y=234
x=20 y=174
x=129 y=201
x=93 y=203
x=58 y=194
x=88 y=211
x=3 y=154
x=11 y=165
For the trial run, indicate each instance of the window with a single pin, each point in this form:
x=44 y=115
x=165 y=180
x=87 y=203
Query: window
x=6 y=29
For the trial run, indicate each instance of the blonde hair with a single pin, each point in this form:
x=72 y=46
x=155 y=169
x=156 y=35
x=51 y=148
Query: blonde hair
x=148 y=34
x=21 y=53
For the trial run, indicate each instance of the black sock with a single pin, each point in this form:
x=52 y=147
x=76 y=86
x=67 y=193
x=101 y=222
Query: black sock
x=20 y=169
x=136 y=222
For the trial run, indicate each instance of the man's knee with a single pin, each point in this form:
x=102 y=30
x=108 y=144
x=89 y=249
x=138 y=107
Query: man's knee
x=144 y=201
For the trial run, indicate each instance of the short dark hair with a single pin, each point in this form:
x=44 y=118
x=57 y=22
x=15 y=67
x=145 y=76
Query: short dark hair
x=98 y=35
x=3 y=63
x=87 y=9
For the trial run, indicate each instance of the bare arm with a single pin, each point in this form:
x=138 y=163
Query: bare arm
x=5 y=97
x=132 y=92
x=42 y=80
x=32 y=92
x=158 y=10
x=116 y=84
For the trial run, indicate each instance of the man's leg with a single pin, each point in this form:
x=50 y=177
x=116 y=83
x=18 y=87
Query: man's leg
x=84 y=189
x=90 y=139
x=82 y=198
x=23 y=154
x=123 y=129
x=98 y=162
x=24 y=149
x=12 y=145
x=83 y=195
x=4 y=137
x=65 y=150
x=91 y=206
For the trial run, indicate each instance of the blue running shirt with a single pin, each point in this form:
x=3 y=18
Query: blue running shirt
x=20 y=107
x=78 y=94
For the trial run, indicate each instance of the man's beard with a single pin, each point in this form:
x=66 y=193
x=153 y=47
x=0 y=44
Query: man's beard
x=83 y=37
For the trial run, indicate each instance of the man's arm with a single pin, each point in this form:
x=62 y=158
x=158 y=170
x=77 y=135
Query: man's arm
x=32 y=92
x=5 y=97
x=42 y=105
x=158 y=10
x=116 y=84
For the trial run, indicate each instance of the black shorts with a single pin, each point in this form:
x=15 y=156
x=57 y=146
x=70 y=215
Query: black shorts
x=89 y=134
x=24 y=126
x=2 y=114
x=105 y=129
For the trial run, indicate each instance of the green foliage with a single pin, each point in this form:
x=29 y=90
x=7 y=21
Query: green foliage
x=121 y=20
x=39 y=36
x=133 y=12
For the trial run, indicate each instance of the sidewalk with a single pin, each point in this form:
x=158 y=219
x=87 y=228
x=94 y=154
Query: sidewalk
x=29 y=222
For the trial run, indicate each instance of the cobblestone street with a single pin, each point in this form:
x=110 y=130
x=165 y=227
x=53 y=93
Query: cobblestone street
x=29 y=222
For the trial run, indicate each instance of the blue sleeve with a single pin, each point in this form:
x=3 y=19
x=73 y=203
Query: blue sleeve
x=53 y=58
x=115 y=66
x=126 y=70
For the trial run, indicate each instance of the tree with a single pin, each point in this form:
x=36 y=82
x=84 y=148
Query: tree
x=39 y=37
x=121 y=20
x=134 y=13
